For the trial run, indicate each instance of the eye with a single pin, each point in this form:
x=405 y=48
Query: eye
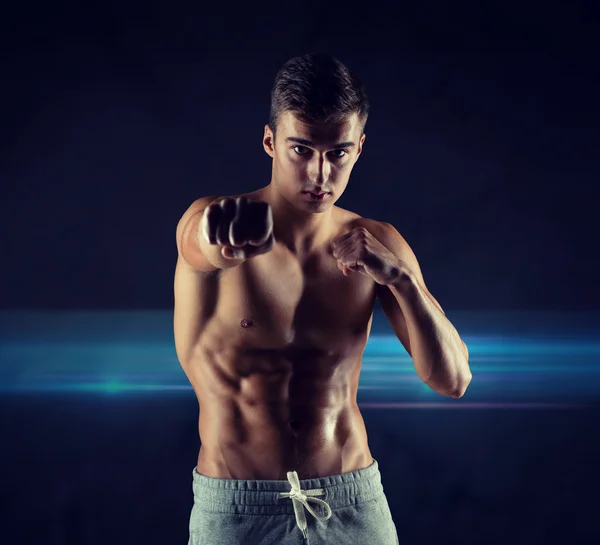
x=342 y=152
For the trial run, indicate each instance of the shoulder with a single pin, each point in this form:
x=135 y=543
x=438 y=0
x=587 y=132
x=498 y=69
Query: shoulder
x=389 y=236
x=346 y=219
x=385 y=232
x=197 y=206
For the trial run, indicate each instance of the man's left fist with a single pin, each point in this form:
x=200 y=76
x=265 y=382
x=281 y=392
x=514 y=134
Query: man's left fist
x=359 y=251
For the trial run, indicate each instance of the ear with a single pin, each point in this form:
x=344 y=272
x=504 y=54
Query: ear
x=269 y=141
x=360 y=146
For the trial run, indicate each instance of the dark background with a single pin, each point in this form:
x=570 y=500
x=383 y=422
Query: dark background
x=481 y=145
x=482 y=150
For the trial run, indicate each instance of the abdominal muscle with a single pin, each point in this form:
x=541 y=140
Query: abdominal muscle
x=266 y=412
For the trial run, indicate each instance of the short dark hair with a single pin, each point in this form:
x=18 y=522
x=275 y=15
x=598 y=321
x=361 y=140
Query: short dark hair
x=317 y=88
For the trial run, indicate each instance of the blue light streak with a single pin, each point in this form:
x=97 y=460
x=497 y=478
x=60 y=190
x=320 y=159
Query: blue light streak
x=134 y=353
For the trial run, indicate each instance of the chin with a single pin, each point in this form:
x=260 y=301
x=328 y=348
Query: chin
x=315 y=207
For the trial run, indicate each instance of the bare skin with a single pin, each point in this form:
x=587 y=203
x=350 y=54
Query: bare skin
x=277 y=392
x=273 y=347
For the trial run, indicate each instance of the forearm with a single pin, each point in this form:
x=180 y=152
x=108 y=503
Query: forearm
x=439 y=355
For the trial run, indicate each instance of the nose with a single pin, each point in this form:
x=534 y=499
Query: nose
x=319 y=170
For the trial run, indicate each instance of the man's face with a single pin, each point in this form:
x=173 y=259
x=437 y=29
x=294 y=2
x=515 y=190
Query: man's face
x=309 y=158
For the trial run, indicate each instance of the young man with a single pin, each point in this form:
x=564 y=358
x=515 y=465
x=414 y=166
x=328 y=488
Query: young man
x=274 y=297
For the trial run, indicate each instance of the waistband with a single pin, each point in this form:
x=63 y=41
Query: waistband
x=270 y=497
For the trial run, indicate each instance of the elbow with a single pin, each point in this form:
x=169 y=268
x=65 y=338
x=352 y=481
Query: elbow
x=455 y=387
x=461 y=387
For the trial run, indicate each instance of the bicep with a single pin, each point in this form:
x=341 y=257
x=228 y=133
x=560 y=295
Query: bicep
x=397 y=245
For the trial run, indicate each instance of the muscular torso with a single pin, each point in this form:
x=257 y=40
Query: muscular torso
x=273 y=350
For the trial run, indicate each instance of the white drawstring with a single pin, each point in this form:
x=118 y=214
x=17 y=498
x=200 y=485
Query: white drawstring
x=301 y=498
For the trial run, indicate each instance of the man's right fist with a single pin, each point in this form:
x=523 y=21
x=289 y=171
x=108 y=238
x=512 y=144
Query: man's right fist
x=243 y=228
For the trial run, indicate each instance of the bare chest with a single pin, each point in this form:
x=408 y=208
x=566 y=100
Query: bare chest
x=276 y=300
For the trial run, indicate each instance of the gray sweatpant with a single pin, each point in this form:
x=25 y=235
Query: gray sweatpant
x=350 y=508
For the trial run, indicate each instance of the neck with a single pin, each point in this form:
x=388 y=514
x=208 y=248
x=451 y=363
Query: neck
x=302 y=232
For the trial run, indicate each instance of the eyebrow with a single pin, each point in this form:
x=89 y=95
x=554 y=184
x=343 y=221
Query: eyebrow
x=305 y=142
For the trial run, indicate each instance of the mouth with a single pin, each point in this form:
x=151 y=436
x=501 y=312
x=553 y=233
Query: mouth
x=316 y=196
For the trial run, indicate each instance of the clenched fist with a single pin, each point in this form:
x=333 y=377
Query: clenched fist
x=243 y=228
